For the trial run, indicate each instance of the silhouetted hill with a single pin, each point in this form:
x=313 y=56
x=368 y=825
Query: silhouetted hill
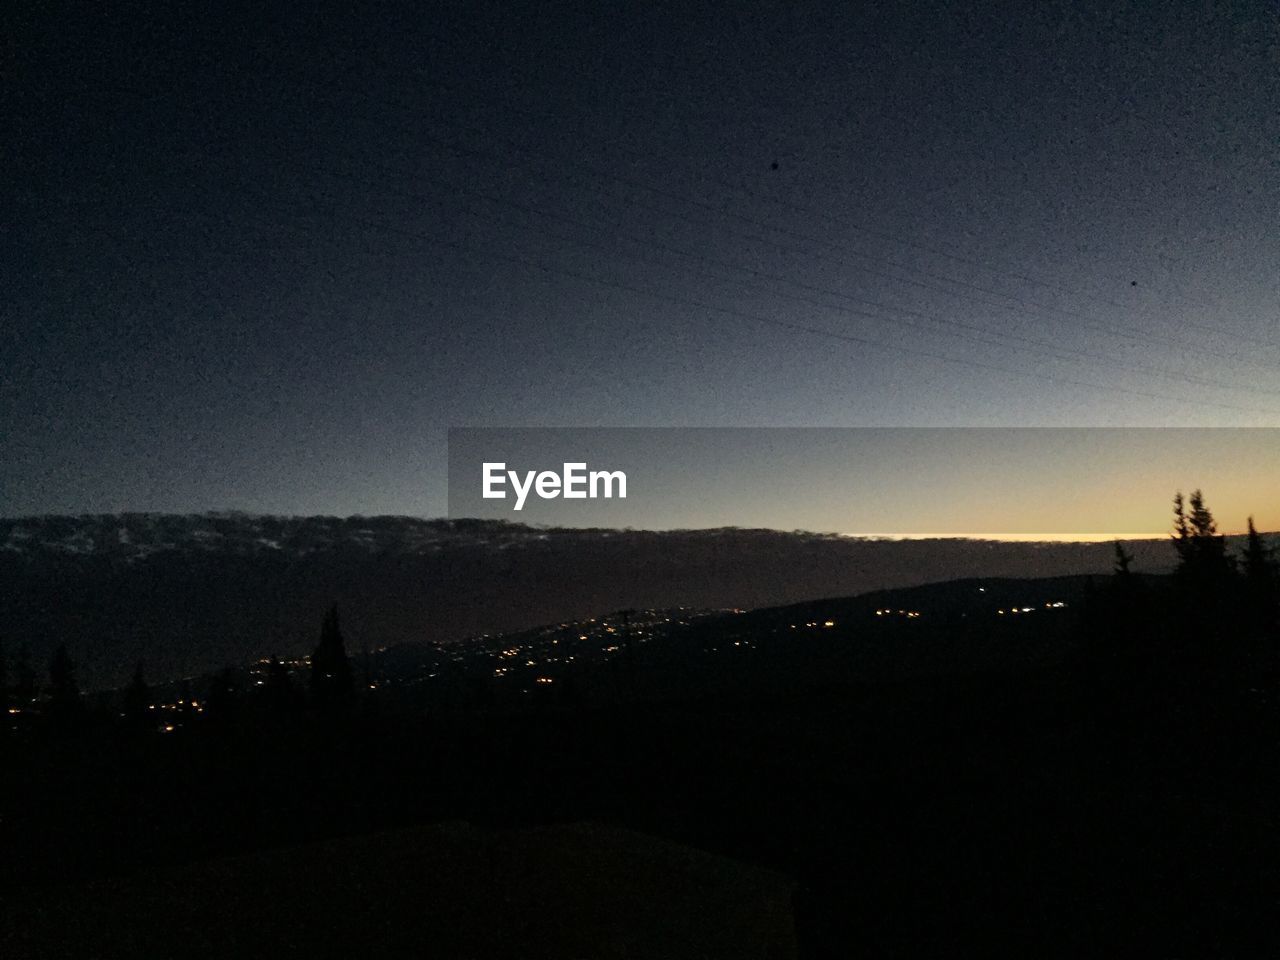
x=452 y=890
x=190 y=593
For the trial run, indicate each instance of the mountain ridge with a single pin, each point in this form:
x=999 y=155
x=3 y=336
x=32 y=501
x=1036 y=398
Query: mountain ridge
x=190 y=592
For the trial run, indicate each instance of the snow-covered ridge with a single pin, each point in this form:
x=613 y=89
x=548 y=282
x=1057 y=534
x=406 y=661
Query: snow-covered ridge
x=132 y=536
x=127 y=537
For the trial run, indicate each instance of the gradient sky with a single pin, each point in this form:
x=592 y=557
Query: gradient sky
x=262 y=259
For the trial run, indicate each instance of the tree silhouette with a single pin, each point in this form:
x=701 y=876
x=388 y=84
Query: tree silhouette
x=24 y=679
x=282 y=695
x=186 y=703
x=1124 y=561
x=1114 y=610
x=1202 y=551
x=137 y=701
x=4 y=684
x=1257 y=557
x=220 y=701
x=1207 y=597
x=1181 y=526
x=65 y=704
x=1127 y=593
x=331 y=678
x=1260 y=579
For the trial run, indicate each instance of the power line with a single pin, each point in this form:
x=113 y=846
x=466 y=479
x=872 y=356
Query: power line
x=1141 y=337
x=838 y=261
x=1051 y=350
x=871 y=231
x=741 y=315
x=786 y=324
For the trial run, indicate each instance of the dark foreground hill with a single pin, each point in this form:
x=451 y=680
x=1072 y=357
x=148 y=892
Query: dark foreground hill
x=1097 y=779
x=452 y=890
x=188 y=594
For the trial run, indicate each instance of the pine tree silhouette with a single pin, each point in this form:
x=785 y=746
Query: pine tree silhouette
x=1181 y=528
x=186 y=703
x=4 y=686
x=331 y=675
x=281 y=694
x=220 y=702
x=1202 y=551
x=1262 y=588
x=1207 y=600
x=24 y=680
x=137 y=701
x=65 y=704
x=1124 y=560
x=1257 y=557
x=1126 y=594
x=1114 y=610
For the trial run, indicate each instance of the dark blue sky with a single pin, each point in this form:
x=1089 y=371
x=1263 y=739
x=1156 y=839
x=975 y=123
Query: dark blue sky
x=263 y=259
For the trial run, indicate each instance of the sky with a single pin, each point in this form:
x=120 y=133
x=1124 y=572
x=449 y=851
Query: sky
x=263 y=258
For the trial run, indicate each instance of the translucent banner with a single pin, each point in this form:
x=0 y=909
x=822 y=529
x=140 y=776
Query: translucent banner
x=1027 y=483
